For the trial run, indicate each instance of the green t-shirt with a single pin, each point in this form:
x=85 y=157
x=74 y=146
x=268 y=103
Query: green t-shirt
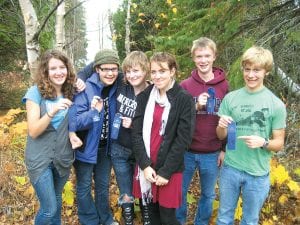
x=258 y=114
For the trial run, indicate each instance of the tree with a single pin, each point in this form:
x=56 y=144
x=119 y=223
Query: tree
x=127 y=29
x=12 y=40
x=36 y=34
x=60 y=26
x=31 y=29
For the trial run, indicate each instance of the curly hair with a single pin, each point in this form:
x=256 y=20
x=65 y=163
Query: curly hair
x=43 y=82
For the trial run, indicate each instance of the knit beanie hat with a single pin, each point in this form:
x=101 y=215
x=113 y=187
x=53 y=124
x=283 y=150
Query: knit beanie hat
x=106 y=56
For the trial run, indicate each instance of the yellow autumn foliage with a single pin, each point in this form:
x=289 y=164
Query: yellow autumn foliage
x=134 y=5
x=9 y=117
x=169 y=2
x=140 y=20
x=293 y=186
x=279 y=175
x=267 y=222
x=20 y=180
x=283 y=199
x=162 y=15
x=174 y=10
x=297 y=171
x=19 y=128
x=238 y=211
x=68 y=194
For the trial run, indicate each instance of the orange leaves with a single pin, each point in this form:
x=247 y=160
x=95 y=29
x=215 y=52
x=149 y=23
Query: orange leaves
x=9 y=167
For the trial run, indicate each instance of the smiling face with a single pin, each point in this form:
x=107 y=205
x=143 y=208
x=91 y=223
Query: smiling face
x=161 y=75
x=57 y=72
x=136 y=76
x=108 y=73
x=204 y=58
x=254 y=76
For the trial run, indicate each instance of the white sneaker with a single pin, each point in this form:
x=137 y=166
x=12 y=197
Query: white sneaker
x=114 y=223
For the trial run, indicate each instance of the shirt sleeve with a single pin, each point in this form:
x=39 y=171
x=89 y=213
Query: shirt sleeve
x=279 y=117
x=33 y=94
x=86 y=72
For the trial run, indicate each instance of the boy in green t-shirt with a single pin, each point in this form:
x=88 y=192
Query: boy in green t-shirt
x=260 y=128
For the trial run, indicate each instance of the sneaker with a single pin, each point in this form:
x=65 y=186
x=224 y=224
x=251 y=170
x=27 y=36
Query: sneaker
x=114 y=223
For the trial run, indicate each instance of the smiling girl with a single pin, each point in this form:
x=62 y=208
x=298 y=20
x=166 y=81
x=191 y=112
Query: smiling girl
x=162 y=132
x=48 y=154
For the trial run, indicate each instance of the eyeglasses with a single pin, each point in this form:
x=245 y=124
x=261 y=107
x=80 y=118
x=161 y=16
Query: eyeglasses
x=106 y=70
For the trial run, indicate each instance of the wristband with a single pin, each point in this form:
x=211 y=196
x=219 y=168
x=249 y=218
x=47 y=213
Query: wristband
x=265 y=144
x=49 y=115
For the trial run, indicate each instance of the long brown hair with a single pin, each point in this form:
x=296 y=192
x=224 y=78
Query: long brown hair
x=43 y=82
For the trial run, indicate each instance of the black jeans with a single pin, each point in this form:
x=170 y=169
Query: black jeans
x=160 y=215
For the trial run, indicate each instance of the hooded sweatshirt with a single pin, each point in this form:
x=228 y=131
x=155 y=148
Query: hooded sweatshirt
x=205 y=139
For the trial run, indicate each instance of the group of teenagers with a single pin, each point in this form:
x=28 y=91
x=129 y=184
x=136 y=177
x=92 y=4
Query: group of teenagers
x=154 y=134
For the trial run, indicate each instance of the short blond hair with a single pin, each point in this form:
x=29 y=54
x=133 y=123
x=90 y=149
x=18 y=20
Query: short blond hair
x=259 y=56
x=136 y=58
x=203 y=42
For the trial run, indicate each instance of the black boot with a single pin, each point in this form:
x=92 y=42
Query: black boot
x=145 y=214
x=128 y=213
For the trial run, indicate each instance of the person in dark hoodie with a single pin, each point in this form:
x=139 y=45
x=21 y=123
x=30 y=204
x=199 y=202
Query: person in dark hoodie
x=208 y=86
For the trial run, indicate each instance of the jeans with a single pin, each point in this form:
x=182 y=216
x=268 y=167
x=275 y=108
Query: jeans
x=90 y=211
x=123 y=170
x=207 y=164
x=253 y=189
x=48 y=188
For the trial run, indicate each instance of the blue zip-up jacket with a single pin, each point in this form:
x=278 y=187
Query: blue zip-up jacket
x=82 y=117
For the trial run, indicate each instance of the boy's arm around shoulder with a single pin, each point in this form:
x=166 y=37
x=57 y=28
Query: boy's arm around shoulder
x=86 y=72
x=81 y=115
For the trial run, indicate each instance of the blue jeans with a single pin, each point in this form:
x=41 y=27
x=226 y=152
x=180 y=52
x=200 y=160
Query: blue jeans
x=123 y=169
x=253 y=189
x=49 y=188
x=92 y=212
x=207 y=165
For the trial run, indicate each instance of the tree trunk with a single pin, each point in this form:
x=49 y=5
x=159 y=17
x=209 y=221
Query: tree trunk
x=31 y=29
x=60 y=26
x=127 y=29
x=293 y=87
x=111 y=27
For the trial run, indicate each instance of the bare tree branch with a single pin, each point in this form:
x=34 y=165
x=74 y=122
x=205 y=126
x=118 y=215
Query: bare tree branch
x=75 y=7
x=37 y=34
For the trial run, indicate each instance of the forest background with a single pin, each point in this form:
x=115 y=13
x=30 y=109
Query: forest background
x=149 y=25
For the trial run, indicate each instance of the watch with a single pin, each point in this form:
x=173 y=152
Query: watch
x=265 y=144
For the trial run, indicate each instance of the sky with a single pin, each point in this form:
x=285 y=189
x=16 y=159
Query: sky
x=96 y=22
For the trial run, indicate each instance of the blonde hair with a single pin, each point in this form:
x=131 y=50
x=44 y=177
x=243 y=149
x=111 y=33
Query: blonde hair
x=203 y=42
x=136 y=58
x=259 y=56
